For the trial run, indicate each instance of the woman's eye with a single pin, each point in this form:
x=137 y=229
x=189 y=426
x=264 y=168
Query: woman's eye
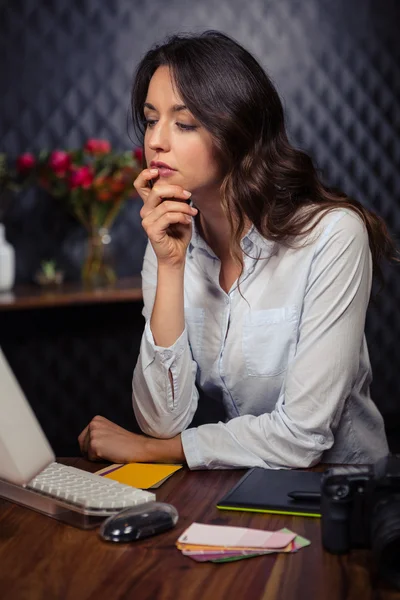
x=185 y=127
x=182 y=126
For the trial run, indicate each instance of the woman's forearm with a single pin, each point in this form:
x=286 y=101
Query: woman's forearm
x=168 y=320
x=165 y=450
x=163 y=412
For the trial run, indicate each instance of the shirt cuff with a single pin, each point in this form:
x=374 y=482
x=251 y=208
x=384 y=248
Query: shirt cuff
x=165 y=355
x=191 y=449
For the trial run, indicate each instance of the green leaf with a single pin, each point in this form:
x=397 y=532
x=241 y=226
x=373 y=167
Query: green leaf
x=43 y=155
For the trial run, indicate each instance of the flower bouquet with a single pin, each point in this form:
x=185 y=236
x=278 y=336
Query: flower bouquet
x=93 y=182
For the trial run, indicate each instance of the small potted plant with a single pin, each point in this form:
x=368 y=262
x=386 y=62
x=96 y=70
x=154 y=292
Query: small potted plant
x=49 y=275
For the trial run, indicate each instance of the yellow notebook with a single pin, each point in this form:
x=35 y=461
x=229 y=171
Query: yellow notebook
x=140 y=475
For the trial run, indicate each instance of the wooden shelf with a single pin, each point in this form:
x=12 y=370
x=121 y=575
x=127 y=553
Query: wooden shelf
x=70 y=294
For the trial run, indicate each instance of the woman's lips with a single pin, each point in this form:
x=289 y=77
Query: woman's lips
x=164 y=172
x=164 y=169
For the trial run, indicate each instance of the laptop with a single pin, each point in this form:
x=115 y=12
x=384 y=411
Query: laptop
x=30 y=476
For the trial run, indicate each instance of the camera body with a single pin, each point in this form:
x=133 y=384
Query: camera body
x=358 y=504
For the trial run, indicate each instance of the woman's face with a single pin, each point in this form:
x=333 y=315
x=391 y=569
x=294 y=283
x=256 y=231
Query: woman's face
x=173 y=136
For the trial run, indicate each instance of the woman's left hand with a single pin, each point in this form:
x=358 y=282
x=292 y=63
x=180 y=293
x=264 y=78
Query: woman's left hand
x=104 y=440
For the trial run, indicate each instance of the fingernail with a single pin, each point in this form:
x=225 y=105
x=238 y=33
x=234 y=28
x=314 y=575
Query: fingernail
x=187 y=194
x=194 y=210
x=154 y=171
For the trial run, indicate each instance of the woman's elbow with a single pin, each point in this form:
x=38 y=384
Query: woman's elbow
x=306 y=461
x=301 y=457
x=160 y=429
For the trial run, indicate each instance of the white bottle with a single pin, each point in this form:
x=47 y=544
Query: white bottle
x=7 y=262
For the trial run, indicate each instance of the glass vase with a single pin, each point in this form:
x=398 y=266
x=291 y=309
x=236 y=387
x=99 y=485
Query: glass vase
x=98 y=269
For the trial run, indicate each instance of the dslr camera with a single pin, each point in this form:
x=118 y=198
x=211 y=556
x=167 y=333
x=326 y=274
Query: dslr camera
x=360 y=508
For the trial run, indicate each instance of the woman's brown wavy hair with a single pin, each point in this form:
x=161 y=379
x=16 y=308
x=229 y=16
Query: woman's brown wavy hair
x=266 y=180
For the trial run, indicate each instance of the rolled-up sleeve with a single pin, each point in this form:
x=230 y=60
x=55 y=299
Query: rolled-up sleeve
x=162 y=410
x=321 y=375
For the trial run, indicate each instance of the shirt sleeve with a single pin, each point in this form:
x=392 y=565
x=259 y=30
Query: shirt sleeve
x=322 y=374
x=160 y=410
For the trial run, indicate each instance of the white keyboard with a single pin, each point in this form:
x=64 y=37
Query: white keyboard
x=86 y=490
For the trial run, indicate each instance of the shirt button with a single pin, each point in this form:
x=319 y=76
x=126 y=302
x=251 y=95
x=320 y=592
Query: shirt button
x=319 y=438
x=167 y=354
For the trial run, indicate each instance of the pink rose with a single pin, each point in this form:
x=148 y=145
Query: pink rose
x=59 y=162
x=80 y=177
x=25 y=162
x=138 y=154
x=93 y=146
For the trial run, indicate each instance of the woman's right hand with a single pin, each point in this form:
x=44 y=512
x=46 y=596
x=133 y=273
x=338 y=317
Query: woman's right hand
x=167 y=222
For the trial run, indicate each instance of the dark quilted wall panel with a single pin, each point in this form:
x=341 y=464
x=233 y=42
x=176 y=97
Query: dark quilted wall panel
x=66 y=68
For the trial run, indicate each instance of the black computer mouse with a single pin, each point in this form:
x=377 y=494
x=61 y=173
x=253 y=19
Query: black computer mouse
x=139 y=522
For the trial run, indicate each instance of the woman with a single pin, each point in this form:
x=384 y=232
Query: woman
x=256 y=279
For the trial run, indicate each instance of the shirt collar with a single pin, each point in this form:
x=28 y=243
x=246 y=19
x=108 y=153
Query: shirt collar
x=197 y=241
x=258 y=240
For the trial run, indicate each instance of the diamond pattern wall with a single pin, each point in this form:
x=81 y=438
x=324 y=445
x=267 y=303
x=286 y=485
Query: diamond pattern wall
x=66 y=68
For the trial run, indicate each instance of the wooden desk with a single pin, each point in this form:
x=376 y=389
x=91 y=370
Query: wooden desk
x=41 y=558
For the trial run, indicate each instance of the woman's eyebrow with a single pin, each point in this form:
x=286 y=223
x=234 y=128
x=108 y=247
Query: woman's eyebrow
x=175 y=108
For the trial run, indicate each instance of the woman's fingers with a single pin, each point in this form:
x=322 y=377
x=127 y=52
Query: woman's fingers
x=156 y=229
x=141 y=183
x=153 y=197
x=161 y=192
x=166 y=214
x=91 y=432
x=82 y=439
x=166 y=207
x=92 y=454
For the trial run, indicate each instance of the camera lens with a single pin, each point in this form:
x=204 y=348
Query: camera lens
x=385 y=539
x=342 y=491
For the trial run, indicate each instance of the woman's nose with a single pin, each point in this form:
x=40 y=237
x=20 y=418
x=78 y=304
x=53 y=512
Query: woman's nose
x=158 y=138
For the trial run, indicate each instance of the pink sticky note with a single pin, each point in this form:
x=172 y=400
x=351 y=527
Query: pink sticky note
x=237 y=537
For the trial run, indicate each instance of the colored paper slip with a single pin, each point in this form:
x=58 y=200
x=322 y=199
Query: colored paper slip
x=220 y=555
x=204 y=548
x=225 y=552
x=239 y=557
x=298 y=542
x=223 y=556
x=238 y=537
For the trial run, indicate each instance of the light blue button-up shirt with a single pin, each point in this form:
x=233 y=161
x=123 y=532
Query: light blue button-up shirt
x=286 y=354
